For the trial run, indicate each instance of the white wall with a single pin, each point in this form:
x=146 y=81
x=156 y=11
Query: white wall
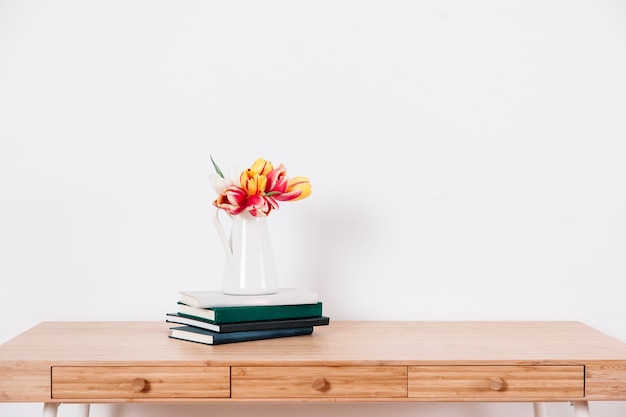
x=466 y=159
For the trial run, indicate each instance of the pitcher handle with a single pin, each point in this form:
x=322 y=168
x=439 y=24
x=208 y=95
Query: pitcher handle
x=222 y=234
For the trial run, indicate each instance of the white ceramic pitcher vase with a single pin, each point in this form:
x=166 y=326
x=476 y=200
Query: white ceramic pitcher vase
x=250 y=267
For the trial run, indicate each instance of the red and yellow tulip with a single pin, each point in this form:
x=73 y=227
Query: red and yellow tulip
x=259 y=190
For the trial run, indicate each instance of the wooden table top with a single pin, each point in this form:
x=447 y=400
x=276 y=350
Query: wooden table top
x=341 y=342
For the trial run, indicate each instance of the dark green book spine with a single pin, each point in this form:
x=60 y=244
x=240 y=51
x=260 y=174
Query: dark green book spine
x=235 y=337
x=257 y=313
x=246 y=325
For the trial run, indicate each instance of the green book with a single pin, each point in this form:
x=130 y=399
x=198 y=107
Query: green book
x=195 y=334
x=251 y=313
x=247 y=325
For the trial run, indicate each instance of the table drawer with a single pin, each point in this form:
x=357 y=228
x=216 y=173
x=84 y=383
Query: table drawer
x=496 y=382
x=319 y=382
x=102 y=382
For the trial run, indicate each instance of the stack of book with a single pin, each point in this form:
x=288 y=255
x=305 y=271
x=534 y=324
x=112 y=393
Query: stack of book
x=213 y=318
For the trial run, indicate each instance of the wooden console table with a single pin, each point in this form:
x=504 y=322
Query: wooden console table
x=346 y=361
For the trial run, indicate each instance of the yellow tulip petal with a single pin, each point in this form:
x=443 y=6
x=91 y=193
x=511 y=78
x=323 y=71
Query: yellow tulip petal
x=301 y=184
x=261 y=167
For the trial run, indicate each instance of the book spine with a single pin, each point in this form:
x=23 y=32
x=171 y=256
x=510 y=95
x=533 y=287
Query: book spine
x=272 y=325
x=257 y=313
x=203 y=324
x=234 y=337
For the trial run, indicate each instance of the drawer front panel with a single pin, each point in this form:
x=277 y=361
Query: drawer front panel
x=605 y=382
x=133 y=382
x=319 y=382
x=496 y=382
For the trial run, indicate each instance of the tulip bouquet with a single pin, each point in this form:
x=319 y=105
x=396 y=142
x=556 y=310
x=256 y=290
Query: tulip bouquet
x=257 y=189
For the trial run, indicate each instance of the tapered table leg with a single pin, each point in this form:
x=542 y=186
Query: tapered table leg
x=539 y=409
x=581 y=408
x=83 y=410
x=50 y=409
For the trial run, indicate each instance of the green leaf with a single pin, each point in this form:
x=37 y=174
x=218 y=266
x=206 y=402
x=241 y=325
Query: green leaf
x=217 y=169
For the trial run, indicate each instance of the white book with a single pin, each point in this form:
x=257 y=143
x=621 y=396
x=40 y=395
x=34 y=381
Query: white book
x=213 y=298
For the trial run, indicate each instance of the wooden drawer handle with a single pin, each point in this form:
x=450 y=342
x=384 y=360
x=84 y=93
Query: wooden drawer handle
x=319 y=384
x=496 y=383
x=138 y=384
